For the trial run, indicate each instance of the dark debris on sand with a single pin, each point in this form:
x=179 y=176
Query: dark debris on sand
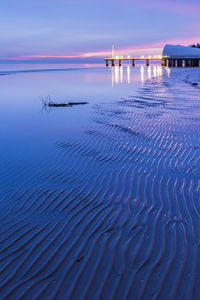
x=48 y=102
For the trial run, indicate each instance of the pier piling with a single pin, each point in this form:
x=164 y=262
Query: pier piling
x=196 y=62
x=170 y=63
x=164 y=63
x=179 y=63
x=192 y=63
x=174 y=63
x=187 y=63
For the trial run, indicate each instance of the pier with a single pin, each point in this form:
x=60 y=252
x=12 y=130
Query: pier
x=165 y=61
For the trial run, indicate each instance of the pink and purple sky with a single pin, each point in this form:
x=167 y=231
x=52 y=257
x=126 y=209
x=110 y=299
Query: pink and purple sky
x=84 y=30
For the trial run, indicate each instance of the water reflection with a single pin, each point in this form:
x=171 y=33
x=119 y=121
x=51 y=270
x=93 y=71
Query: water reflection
x=142 y=74
x=117 y=75
x=159 y=71
x=128 y=74
x=154 y=71
x=168 y=71
x=149 y=72
x=120 y=76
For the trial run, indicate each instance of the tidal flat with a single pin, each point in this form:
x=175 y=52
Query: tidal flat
x=99 y=201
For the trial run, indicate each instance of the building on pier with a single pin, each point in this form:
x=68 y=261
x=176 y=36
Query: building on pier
x=179 y=56
x=181 y=51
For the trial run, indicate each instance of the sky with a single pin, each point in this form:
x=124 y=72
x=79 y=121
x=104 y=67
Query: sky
x=84 y=30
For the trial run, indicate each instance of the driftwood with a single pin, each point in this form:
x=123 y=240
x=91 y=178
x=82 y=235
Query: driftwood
x=48 y=102
x=52 y=104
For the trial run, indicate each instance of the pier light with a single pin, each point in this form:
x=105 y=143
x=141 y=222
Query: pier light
x=122 y=57
x=142 y=56
x=149 y=56
x=128 y=57
x=116 y=57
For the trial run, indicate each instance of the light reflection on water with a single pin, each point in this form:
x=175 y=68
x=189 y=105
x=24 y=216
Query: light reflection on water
x=128 y=74
x=142 y=74
x=119 y=76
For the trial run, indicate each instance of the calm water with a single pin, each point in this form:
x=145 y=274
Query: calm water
x=99 y=201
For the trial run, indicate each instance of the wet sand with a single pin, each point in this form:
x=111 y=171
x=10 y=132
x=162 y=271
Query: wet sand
x=113 y=211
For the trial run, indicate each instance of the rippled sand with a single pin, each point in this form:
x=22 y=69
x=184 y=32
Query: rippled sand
x=112 y=212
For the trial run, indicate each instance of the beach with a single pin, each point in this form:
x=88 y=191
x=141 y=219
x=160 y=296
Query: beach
x=99 y=201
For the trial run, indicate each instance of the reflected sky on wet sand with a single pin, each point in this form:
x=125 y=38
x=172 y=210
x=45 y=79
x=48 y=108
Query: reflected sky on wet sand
x=99 y=201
